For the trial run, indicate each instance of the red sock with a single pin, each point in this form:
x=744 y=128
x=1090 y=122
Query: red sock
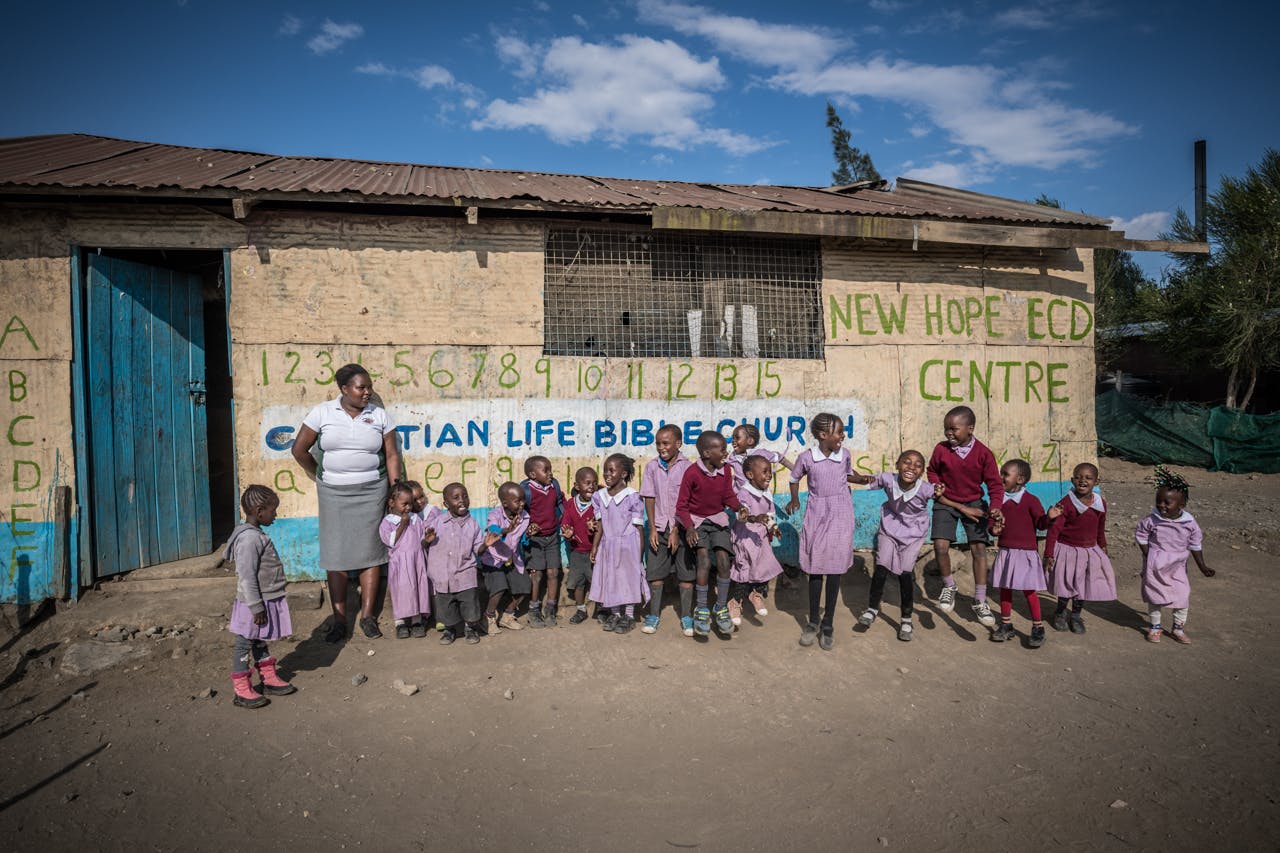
x=1033 y=601
x=1006 y=603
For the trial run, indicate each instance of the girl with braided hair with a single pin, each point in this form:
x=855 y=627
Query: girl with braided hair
x=260 y=612
x=1166 y=537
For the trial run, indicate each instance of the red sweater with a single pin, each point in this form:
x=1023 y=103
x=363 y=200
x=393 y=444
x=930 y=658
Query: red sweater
x=964 y=477
x=545 y=505
x=704 y=494
x=577 y=521
x=1081 y=529
x=1020 y=521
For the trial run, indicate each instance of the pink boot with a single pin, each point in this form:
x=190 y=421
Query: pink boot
x=246 y=696
x=272 y=683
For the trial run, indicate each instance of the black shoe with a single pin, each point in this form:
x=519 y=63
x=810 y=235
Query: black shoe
x=1037 y=636
x=418 y=630
x=402 y=630
x=535 y=619
x=548 y=618
x=472 y=635
x=1076 y=623
x=600 y=615
x=578 y=617
x=827 y=638
x=370 y=627
x=809 y=635
x=624 y=625
x=1003 y=632
x=447 y=638
x=610 y=622
x=337 y=632
x=1059 y=622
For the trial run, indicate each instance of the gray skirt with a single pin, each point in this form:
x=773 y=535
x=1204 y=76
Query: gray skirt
x=349 y=518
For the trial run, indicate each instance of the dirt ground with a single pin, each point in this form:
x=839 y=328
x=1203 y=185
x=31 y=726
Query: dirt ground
x=1095 y=742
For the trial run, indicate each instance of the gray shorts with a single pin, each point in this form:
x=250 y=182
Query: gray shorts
x=947 y=522
x=453 y=608
x=658 y=564
x=506 y=580
x=544 y=553
x=579 y=569
x=713 y=537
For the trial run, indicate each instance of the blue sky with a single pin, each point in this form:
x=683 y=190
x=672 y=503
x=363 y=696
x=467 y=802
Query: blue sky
x=1094 y=103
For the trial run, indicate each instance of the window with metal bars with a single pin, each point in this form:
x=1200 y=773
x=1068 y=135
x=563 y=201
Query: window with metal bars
x=615 y=293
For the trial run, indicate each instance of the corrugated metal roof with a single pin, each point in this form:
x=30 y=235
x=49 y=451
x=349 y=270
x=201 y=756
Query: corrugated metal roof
x=80 y=161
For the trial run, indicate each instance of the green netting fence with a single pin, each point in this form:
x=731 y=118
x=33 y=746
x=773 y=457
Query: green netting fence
x=1186 y=434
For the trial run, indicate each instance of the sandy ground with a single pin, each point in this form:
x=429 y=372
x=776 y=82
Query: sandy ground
x=1094 y=742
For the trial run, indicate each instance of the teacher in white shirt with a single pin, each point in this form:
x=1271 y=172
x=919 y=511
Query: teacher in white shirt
x=358 y=461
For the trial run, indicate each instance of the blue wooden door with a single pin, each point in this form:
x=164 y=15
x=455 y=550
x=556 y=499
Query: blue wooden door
x=148 y=446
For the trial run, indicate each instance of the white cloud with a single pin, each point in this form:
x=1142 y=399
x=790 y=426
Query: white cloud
x=333 y=36
x=377 y=69
x=581 y=21
x=1047 y=15
x=518 y=54
x=887 y=7
x=1024 y=18
x=637 y=88
x=1144 y=226
x=948 y=174
x=746 y=38
x=290 y=25
x=431 y=76
x=542 y=6
x=939 y=21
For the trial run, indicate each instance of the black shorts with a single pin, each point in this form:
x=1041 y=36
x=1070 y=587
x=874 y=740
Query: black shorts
x=948 y=520
x=506 y=579
x=713 y=537
x=544 y=553
x=579 y=569
x=455 y=607
x=658 y=564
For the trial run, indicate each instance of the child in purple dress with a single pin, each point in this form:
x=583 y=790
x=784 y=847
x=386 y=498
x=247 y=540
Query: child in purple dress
x=1018 y=564
x=401 y=530
x=904 y=524
x=754 y=563
x=618 y=579
x=1167 y=537
x=826 y=536
x=260 y=611
x=746 y=440
x=1075 y=550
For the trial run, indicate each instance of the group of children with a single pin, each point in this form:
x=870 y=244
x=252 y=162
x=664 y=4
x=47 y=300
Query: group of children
x=712 y=519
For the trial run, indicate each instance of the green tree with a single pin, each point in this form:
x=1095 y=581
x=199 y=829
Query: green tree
x=852 y=164
x=1226 y=305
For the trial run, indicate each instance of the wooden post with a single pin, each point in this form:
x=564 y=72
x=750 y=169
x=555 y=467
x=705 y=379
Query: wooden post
x=1201 y=191
x=62 y=541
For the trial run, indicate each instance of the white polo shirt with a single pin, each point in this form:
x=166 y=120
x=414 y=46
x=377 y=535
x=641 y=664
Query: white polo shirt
x=350 y=445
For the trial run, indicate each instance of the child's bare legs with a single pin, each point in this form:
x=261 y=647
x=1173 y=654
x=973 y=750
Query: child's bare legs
x=723 y=560
x=536 y=578
x=978 y=556
x=553 y=590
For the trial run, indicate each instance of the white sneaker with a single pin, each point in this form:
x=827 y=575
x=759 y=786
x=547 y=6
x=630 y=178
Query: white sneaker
x=984 y=614
x=904 y=632
x=947 y=599
x=867 y=618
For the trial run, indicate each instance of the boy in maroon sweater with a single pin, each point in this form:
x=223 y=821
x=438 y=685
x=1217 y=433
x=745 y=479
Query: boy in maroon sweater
x=963 y=464
x=705 y=491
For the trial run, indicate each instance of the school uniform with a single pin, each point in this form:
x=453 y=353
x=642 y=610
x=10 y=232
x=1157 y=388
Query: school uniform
x=451 y=567
x=1081 y=569
x=1018 y=564
x=700 y=506
x=406 y=567
x=545 y=505
x=753 y=559
x=502 y=564
x=619 y=577
x=964 y=469
x=661 y=482
x=737 y=461
x=826 y=535
x=1169 y=542
x=576 y=517
x=904 y=522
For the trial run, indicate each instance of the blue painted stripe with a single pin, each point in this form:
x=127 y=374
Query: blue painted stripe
x=30 y=561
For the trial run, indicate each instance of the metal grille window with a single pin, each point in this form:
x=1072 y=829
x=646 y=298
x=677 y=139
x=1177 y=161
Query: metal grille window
x=631 y=294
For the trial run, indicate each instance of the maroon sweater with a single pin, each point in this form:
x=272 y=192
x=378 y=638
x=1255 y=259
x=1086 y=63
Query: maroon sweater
x=964 y=477
x=1020 y=520
x=704 y=495
x=1081 y=529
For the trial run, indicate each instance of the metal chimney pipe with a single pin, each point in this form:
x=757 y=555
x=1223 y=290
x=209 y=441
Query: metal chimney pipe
x=1201 y=191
